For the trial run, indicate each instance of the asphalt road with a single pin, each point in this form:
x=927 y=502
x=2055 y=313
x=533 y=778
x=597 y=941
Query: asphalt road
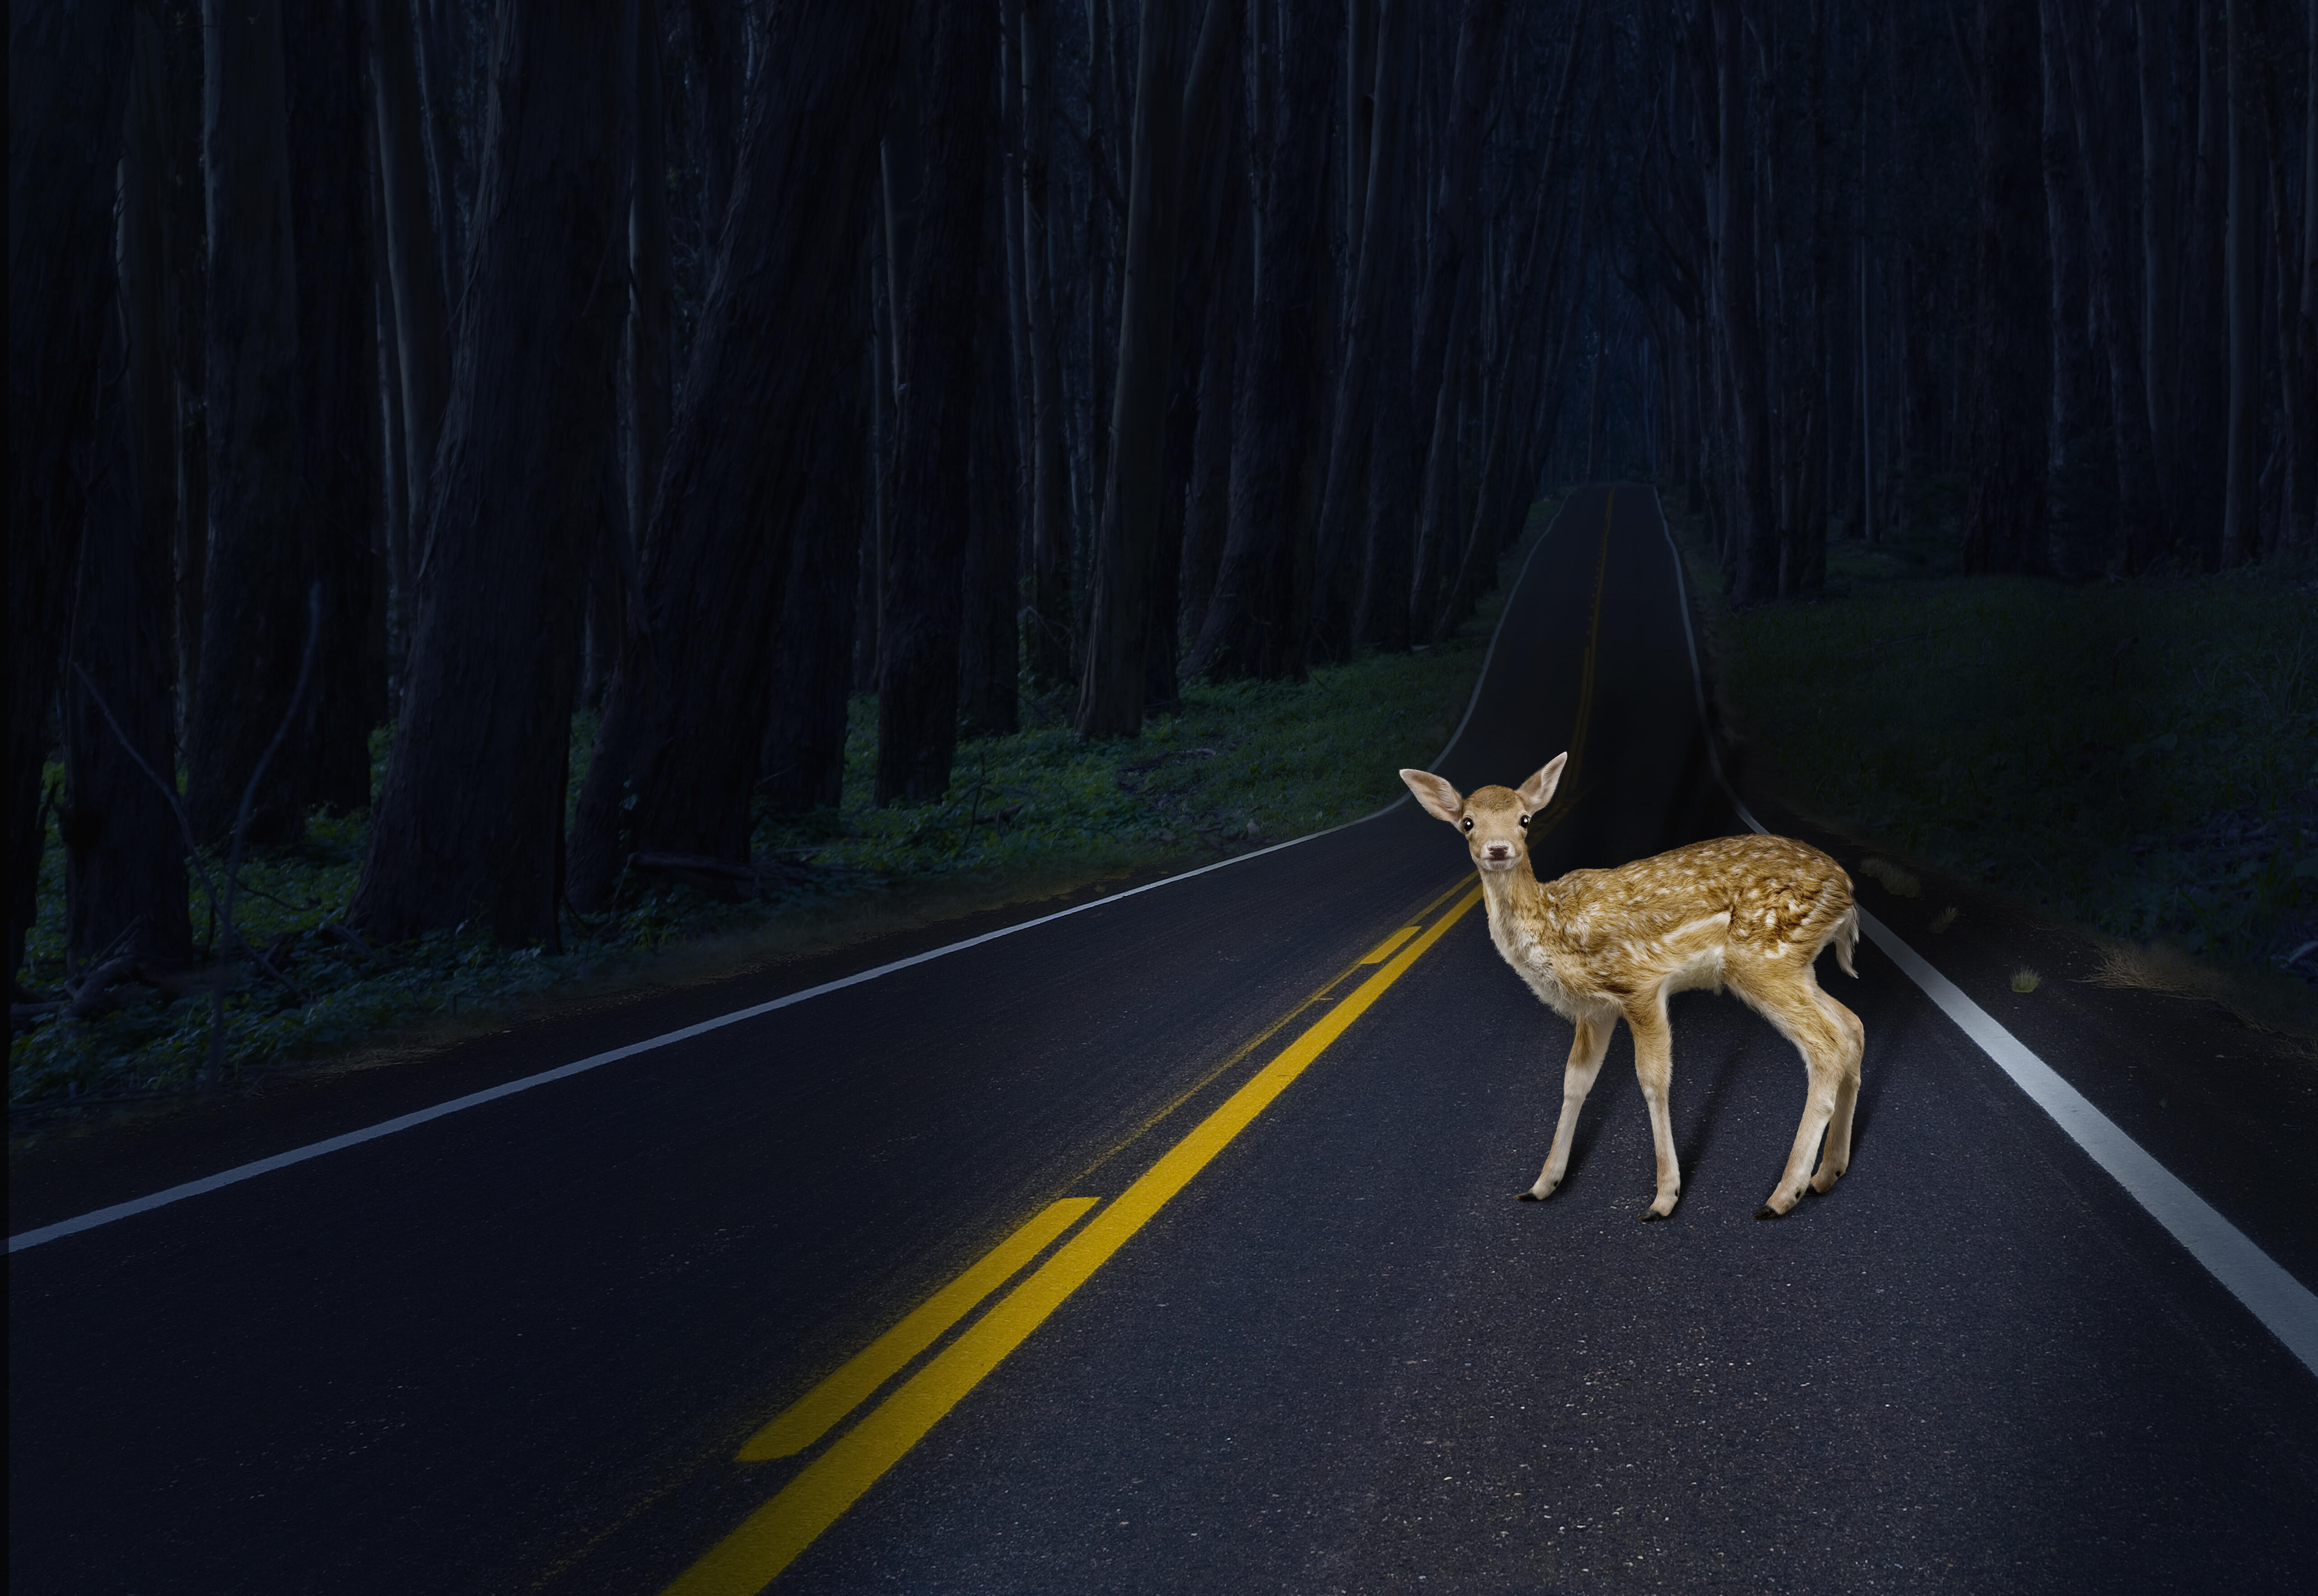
x=519 y=1347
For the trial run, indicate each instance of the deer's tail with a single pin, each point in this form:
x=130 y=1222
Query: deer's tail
x=1846 y=937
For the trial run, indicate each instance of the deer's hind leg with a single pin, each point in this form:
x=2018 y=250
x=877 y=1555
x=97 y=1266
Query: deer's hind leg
x=1808 y=1018
x=1835 y=1157
x=1586 y=1051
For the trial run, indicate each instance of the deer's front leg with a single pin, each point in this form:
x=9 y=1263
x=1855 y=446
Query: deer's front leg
x=1654 y=1067
x=1587 y=1050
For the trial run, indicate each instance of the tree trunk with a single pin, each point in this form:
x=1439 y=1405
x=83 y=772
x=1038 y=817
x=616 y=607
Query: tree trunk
x=2204 y=348
x=1380 y=618
x=124 y=853
x=988 y=647
x=2078 y=472
x=649 y=299
x=1507 y=474
x=1444 y=313
x=335 y=415
x=1112 y=676
x=1207 y=493
x=802 y=764
x=2160 y=311
x=1211 y=147
x=262 y=542
x=2241 y=274
x=1254 y=624
x=917 y=694
x=1752 y=558
x=2095 y=74
x=1338 y=543
x=2004 y=515
x=470 y=822
x=1438 y=514
x=188 y=297
x=414 y=272
x=1048 y=624
x=880 y=401
x=720 y=49
x=442 y=26
x=755 y=448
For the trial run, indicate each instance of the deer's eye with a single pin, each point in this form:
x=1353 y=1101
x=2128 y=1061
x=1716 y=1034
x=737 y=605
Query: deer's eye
x=1525 y=821
x=1467 y=822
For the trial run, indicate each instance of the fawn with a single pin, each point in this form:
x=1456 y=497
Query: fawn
x=1750 y=912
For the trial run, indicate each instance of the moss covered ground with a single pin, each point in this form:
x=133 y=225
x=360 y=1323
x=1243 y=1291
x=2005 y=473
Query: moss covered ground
x=1240 y=766
x=2139 y=758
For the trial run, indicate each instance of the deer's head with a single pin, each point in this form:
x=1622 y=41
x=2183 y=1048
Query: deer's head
x=1494 y=819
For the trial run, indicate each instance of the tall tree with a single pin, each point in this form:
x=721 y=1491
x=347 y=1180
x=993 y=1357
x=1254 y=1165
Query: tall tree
x=2080 y=510
x=989 y=640
x=67 y=85
x=754 y=450
x=469 y=825
x=2241 y=268
x=1133 y=592
x=920 y=612
x=2096 y=73
x=124 y=853
x=1254 y=624
x=1048 y=622
x=1444 y=317
x=1750 y=557
x=262 y=553
x=1336 y=546
x=2159 y=325
x=1111 y=677
x=335 y=395
x=650 y=303
x=421 y=354
x=2004 y=514
x=801 y=765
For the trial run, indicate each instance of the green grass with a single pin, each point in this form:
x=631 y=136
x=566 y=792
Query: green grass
x=2141 y=758
x=1241 y=766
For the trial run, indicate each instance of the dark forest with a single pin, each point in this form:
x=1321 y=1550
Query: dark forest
x=962 y=795
x=451 y=367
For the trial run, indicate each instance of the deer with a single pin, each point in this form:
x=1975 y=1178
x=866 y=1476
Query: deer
x=1751 y=913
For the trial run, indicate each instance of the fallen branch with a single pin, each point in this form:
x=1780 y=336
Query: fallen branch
x=214 y=1066
x=332 y=929
x=720 y=873
x=86 y=1003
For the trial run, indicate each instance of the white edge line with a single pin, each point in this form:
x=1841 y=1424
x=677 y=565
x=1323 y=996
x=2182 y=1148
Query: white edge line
x=296 y=1155
x=2282 y=1302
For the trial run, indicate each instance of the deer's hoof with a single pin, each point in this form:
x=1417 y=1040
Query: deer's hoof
x=1527 y=1197
x=1767 y=1212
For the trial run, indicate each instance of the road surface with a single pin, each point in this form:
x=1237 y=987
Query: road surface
x=1166 y=1246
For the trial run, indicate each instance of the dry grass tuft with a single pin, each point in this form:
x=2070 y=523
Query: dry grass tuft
x=1894 y=880
x=2267 y=1001
x=2026 y=980
x=2159 y=967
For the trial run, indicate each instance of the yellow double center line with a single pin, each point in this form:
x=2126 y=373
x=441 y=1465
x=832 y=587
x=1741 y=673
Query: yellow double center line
x=770 y=1539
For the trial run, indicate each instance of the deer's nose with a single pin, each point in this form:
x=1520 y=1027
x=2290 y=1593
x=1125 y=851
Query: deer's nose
x=1501 y=850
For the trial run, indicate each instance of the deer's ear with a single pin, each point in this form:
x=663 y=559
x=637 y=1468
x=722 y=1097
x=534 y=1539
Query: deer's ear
x=1537 y=792
x=1440 y=799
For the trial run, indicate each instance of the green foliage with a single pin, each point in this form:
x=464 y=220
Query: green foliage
x=2138 y=756
x=1239 y=765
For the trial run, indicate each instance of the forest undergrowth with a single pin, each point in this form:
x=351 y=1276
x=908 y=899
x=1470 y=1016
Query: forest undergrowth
x=1239 y=765
x=2139 y=758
